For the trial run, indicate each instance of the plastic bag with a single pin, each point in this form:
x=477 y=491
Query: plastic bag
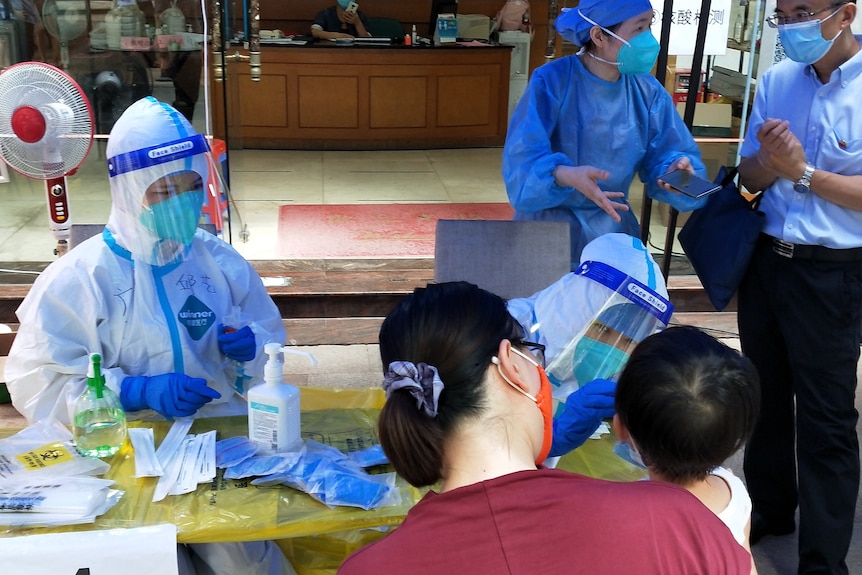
x=370 y=457
x=59 y=501
x=45 y=449
x=234 y=450
x=261 y=465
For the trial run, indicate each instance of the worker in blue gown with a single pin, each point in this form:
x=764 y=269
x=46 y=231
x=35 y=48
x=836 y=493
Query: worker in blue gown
x=589 y=122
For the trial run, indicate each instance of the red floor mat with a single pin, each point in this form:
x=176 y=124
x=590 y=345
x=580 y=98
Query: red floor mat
x=372 y=230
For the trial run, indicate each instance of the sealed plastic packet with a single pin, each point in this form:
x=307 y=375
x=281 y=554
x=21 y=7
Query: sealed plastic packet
x=631 y=311
x=45 y=449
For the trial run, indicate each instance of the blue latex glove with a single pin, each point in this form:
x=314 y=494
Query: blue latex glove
x=584 y=411
x=237 y=345
x=171 y=394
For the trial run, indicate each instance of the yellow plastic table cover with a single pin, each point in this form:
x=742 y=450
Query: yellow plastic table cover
x=234 y=510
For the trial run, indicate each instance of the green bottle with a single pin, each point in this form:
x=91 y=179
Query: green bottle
x=100 y=422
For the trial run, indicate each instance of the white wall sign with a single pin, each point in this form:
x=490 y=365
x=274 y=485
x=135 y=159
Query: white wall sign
x=138 y=551
x=684 y=23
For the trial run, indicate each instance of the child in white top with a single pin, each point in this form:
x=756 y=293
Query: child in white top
x=685 y=403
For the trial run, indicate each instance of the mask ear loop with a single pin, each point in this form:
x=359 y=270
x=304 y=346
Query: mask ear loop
x=496 y=361
x=594 y=23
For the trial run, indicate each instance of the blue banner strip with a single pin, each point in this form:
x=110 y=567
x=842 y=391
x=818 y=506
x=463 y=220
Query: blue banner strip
x=628 y=287
x=155 y=155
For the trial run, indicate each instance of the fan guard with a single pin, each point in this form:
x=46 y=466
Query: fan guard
x=46 y=123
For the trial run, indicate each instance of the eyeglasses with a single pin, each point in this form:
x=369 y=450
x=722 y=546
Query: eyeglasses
x=537 y=349
x=777 y=20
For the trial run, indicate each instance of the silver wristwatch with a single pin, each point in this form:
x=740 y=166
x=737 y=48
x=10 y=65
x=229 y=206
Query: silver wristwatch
x=804 y=184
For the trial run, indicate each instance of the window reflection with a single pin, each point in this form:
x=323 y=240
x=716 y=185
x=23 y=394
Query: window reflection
x=118 y=51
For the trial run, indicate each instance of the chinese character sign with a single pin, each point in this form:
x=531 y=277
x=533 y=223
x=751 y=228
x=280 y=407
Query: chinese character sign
x=684 y=23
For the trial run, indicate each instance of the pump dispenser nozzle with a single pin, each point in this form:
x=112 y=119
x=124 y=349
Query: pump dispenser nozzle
x=274 y=369
x=95 y=379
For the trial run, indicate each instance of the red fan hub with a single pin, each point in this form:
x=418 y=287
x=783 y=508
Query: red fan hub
x=28 y=124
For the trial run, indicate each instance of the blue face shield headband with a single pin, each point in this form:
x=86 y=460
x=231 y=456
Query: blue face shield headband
x=156 y=155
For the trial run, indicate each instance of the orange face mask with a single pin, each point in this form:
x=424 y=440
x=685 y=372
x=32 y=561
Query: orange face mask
x=544 y=401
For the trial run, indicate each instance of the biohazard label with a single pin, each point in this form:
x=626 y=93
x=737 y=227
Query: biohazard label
x=196 y=316
x=44 y=456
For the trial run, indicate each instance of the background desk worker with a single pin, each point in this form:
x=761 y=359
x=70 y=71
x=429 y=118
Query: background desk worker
x=150 y=294
x=589 y=122
x=336 y=22
x=800 y=301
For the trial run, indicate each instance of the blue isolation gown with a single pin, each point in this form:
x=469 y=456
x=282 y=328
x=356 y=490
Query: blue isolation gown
x=570 y=117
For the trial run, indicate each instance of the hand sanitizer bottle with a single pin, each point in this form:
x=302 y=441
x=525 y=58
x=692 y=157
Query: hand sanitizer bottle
x=99 y=426
x=273 y=406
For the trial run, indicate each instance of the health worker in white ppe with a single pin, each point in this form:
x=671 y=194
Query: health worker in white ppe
x=578 y=309
x=169 y=307
x=588 y=123
x=152 y=294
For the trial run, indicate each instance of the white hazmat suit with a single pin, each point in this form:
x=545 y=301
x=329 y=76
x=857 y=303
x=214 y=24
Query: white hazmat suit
x=149 y=295
x=147 y=308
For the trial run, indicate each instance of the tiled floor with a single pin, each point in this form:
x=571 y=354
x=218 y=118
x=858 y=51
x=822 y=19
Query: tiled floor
x=263 y=180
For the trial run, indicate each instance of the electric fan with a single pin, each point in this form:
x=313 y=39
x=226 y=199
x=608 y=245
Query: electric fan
x=65 y=20
x=46 y=131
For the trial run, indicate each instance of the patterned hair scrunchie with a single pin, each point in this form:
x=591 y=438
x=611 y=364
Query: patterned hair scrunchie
x=421 y=380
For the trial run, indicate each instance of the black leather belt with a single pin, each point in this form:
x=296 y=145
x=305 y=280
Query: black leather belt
x=810 y=252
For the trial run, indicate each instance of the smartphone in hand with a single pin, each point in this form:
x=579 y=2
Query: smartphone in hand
x=353 y=8
x=689 y=184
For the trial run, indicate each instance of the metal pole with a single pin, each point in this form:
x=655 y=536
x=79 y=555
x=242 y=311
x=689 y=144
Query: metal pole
x=688 y=118
x=660 y=74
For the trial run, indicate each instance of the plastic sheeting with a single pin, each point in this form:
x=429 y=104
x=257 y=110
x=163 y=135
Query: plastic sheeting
x=234 y=510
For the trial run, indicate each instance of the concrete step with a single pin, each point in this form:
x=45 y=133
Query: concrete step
x=343 y=302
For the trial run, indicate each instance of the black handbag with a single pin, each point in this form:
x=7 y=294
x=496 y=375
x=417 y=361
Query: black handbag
x=13 y=38
x=719 y=238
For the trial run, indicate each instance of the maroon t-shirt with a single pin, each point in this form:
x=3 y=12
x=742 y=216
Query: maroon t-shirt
x=551 y=521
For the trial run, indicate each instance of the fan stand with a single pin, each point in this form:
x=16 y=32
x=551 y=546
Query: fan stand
x=58 y=213
x=56 y=189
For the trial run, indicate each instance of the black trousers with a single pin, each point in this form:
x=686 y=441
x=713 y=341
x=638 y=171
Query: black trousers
x=799 y=322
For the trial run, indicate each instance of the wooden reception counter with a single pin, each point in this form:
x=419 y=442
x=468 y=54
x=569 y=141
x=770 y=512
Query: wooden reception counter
x=366 y=98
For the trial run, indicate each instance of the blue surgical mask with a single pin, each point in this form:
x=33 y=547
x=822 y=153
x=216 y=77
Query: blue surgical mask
x=803 y=42
x=636 y=56
x=629 y=454
x=175 y=218
x=597 y=360
x=343 y=4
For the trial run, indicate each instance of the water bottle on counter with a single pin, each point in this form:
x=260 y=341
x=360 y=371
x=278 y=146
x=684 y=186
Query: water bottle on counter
x=99 y=426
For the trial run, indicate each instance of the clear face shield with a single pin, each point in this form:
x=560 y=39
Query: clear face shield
x=158 y=194
x=630 y=312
